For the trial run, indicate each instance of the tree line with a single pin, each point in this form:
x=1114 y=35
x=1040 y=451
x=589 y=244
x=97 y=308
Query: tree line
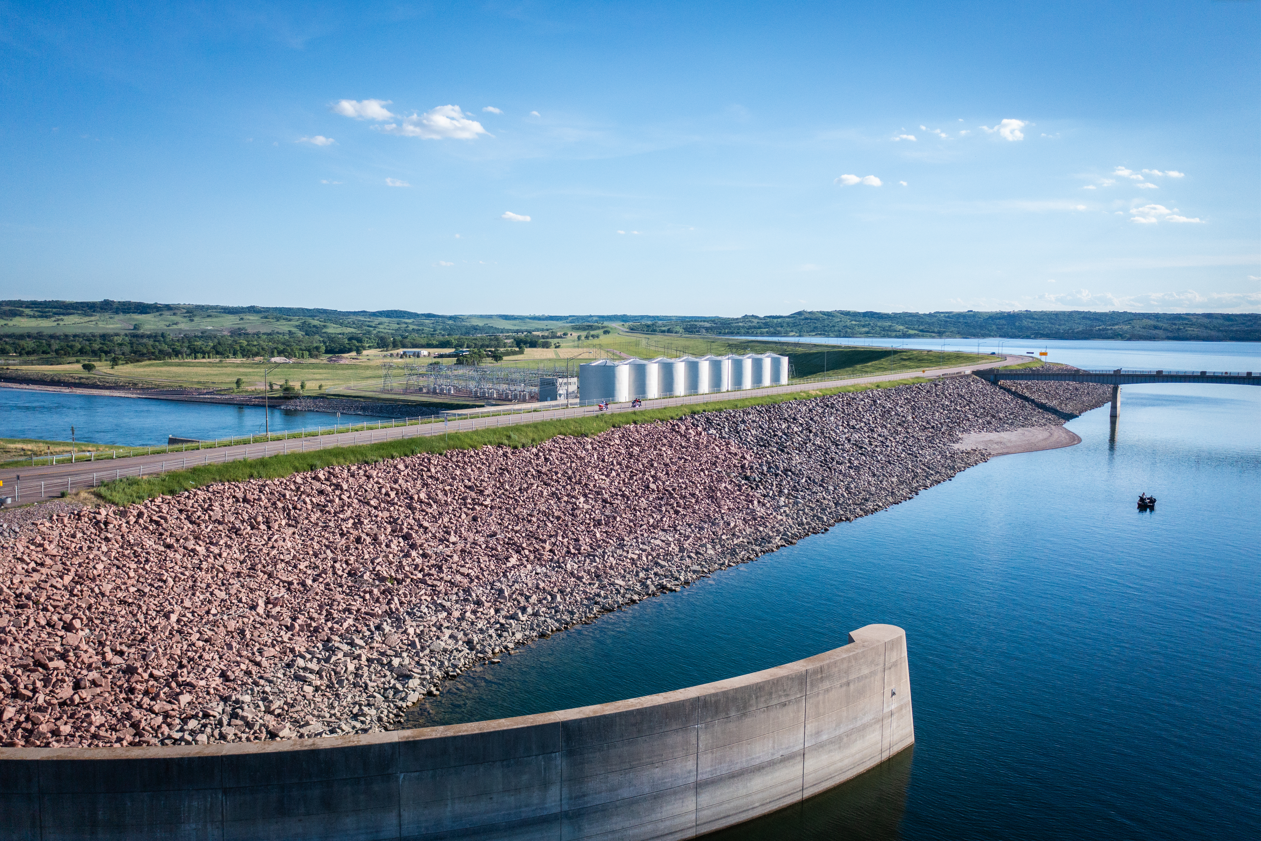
x=137 y=346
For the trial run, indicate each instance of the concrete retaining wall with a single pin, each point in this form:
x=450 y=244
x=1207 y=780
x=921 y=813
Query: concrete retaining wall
x=673 y=765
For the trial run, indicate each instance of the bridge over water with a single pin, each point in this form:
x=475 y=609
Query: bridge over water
x=1119 y=377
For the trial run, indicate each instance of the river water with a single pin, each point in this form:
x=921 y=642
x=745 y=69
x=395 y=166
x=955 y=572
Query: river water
x=1079 y=669
x=138 y=421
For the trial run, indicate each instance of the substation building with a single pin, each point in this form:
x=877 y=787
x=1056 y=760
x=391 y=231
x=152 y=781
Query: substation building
x=621 y=380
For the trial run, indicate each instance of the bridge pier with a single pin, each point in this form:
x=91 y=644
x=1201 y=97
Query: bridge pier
x=1116 y=403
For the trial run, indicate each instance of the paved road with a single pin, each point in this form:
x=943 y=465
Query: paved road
x=49 y=481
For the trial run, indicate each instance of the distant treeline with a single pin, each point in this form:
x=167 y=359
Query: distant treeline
x=136 y=346
x=1025 y=324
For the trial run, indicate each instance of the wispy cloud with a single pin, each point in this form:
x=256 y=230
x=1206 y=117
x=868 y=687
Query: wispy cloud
x=850 y=180
x=1150 y=214
x=1008 y=129
x=445 y=263
x=394 y=182
x=1188 y=300
x=327 y=181
x=446 y=122
x=317 y=140
x=364 y=109
x=1122 y=172
x=514 y=217
x=909 y=137
x=490 y=109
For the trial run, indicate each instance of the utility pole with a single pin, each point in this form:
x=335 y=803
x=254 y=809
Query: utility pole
x=266 y=398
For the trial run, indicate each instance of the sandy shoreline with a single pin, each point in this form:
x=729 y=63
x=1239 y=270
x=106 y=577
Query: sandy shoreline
x=329 y=602
x=1027 y=440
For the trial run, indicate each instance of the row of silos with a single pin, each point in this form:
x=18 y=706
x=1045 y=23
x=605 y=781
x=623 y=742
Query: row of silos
x=617 y=381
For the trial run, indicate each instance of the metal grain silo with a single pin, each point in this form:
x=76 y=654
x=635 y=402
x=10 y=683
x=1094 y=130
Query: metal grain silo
x=644 y=381
x=779 y=369
x=601 y=381
x=719 y=372
x=671 y=376
x=741 y=372
x=762 y=369
x=695 y=375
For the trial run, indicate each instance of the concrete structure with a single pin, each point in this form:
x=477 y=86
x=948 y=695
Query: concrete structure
x=557 y=388
x=674 y=765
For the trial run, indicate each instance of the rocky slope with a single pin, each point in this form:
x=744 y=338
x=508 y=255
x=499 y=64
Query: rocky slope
x=327 y=602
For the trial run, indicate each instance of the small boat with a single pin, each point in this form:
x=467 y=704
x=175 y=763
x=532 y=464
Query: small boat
x=1146 y=503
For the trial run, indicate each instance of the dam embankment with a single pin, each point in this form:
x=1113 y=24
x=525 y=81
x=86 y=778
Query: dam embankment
x=326 y=603
x=674 y=765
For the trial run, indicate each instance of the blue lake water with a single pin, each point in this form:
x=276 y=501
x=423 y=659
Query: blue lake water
x=1079 y=669
x=1171 y=356
x=139 y=422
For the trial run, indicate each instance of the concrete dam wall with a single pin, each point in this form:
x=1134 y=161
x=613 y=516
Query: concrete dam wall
x=674 y=765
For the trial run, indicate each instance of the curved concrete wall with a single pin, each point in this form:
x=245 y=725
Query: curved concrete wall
x=674 y=765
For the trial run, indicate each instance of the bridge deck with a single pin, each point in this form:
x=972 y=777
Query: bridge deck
x=1122 y=376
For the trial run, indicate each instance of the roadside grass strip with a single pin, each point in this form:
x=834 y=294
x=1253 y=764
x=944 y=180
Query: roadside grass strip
x=133 y=489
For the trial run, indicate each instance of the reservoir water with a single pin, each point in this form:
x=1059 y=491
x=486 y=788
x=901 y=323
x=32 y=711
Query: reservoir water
x=140 y=422
x=1079 y=669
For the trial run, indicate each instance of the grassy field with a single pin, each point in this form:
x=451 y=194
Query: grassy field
x=19 y=451
x=361 y=375
x=132 y=490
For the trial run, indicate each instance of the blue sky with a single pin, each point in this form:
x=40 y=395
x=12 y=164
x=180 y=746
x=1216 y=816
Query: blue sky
x=721 y=158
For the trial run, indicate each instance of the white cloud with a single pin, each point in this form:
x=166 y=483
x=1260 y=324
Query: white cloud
x=490 y=109
x=1107 y=182
x=1173 y=173
x=1188 y=300
x=903 y=183
x=317 y=140
x=1146 y=185
x=964 y=132
x=1080 y=207
x=366 y=109
x=923 y=128
x=446 y=122
x=1089 y=187
x=394 y=182
x=621 y=232
x=909 y=137
x=326 y=181
x=514 y=217
x=1153 y=172
x=1151 y=211
x=1008 y=129
x=848 y=180
x=535 y=114
x=445 y=263
x=1122 y=172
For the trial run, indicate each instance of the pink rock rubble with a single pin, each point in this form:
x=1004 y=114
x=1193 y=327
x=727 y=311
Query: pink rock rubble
x=329 y=602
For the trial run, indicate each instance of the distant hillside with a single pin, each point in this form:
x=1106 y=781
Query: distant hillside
x=1025 y=324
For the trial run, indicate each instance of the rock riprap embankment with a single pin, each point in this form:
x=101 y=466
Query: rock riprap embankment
x=328 y=602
